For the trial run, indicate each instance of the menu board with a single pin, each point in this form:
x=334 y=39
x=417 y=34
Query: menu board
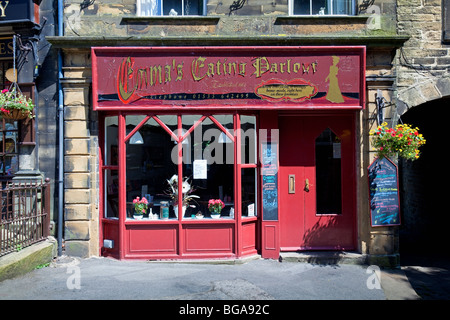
x=270 y=180
x=383 y=193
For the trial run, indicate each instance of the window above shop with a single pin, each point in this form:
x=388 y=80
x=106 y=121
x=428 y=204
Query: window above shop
x=149 y=8
x=321 y=7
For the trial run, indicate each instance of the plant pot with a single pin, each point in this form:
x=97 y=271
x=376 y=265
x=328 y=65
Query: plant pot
x=175 y=209
x=138 y=216
x=16 y=114
x=215 y=215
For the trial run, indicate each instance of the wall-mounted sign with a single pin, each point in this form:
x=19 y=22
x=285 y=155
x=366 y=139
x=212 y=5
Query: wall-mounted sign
x=6 y=47
x=297 y=77
x=269 y=172
x=16 y=11
x=383 y=193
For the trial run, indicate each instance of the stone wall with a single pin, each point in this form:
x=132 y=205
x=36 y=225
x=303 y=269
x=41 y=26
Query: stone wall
x=423 y=63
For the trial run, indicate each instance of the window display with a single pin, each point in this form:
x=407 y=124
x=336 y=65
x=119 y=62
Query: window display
x=208 y=166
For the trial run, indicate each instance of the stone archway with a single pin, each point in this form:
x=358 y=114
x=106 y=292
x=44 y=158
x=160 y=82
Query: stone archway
x=423 y=92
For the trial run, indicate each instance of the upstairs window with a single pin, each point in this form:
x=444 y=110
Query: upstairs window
x=321 y=7
x=148 y=8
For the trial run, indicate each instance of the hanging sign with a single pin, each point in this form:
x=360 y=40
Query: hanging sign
x=383 y=193
x=297 y=77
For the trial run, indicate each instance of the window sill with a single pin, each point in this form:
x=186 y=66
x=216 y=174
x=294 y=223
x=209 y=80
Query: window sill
x=172 y=20
x=326 y=19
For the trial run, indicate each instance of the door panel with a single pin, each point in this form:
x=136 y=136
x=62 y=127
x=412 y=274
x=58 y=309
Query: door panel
x=301 y=226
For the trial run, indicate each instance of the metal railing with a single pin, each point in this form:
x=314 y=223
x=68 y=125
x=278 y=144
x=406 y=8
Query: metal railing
x=25 y=214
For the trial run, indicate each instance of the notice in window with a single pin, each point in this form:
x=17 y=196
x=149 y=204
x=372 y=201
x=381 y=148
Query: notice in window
x=200 y=169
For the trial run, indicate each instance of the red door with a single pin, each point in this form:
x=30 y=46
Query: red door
x=317 y=182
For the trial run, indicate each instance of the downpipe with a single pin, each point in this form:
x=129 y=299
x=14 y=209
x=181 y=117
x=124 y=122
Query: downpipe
x=61 y=134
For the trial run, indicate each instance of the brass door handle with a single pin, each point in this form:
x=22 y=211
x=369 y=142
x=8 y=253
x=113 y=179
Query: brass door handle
x=307 y=185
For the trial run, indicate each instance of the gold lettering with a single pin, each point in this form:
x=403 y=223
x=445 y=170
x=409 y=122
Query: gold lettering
x=179 y=72
x=3 y=8
x=124 y=74
x=197 y=65
x=261 y=66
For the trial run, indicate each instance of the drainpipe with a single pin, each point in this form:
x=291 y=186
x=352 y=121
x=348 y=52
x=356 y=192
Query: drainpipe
x=61 y=133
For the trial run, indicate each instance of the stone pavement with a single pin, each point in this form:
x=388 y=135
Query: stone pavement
x=69 y=278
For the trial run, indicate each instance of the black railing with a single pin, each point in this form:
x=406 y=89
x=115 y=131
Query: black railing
x=25 y=214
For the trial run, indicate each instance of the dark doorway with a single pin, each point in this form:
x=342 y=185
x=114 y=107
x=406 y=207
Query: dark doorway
x=424 y=184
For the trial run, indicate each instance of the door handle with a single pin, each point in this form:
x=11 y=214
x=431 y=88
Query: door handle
x=292 y=183
x=306 y=185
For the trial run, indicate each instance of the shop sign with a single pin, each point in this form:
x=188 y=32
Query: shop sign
x=326 y=77
x=15 y=10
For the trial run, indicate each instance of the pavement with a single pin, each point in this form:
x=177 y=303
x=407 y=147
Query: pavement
x=256 y=280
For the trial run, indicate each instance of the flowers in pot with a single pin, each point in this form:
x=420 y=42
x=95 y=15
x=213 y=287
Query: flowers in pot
x=140 y=207
x=403 y=140
x=186 y=189
x=215 y=206
x=14 y=105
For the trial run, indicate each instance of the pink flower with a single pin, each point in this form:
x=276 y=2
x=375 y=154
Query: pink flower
x=4 y=90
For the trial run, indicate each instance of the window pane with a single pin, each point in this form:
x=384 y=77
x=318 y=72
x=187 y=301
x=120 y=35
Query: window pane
x=302 y=7
x=328 y=173
x=172 y=7
x=322 y=7
x=248 y=139
x=249 y=192
x=149 y=164
x=208 y=162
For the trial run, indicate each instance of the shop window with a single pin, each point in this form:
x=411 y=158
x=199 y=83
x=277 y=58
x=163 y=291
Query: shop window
x=148 y=8
x=328 y=173
x=248 y=139
x=249 y=192
x=322 y=7
x=149 y=163
x=208 y=163
x=110 y=173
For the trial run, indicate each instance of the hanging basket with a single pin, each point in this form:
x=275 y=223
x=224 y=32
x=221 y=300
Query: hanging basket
x=16 y=114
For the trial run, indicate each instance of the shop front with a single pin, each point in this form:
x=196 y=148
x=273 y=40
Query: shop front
x=267 y=134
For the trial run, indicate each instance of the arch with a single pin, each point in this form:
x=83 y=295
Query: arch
x=424 y=92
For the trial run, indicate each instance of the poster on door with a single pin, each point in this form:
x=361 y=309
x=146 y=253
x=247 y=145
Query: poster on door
x=383 y=193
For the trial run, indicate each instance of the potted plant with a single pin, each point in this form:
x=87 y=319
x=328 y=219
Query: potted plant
x=186 y=189
x=403 y=141
x=14 y=105
x=140 y=207
x=215 y=206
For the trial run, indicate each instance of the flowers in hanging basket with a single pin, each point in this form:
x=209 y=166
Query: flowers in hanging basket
x=186 y=189
x=140 y=205
x=14 y=105
x=403 y=140
x=215 y=205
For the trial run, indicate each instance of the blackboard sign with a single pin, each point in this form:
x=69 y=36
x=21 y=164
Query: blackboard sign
x=383 y=193
x=269 y=158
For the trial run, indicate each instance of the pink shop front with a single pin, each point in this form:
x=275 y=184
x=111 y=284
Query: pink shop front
x=184 y=127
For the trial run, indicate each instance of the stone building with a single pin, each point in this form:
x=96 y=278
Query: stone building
x=114 y=27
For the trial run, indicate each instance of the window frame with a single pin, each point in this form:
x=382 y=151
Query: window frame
x=139 y=14
x=291 y=10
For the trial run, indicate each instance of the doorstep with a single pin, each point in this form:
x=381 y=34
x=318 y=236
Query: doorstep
x=325 y=257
